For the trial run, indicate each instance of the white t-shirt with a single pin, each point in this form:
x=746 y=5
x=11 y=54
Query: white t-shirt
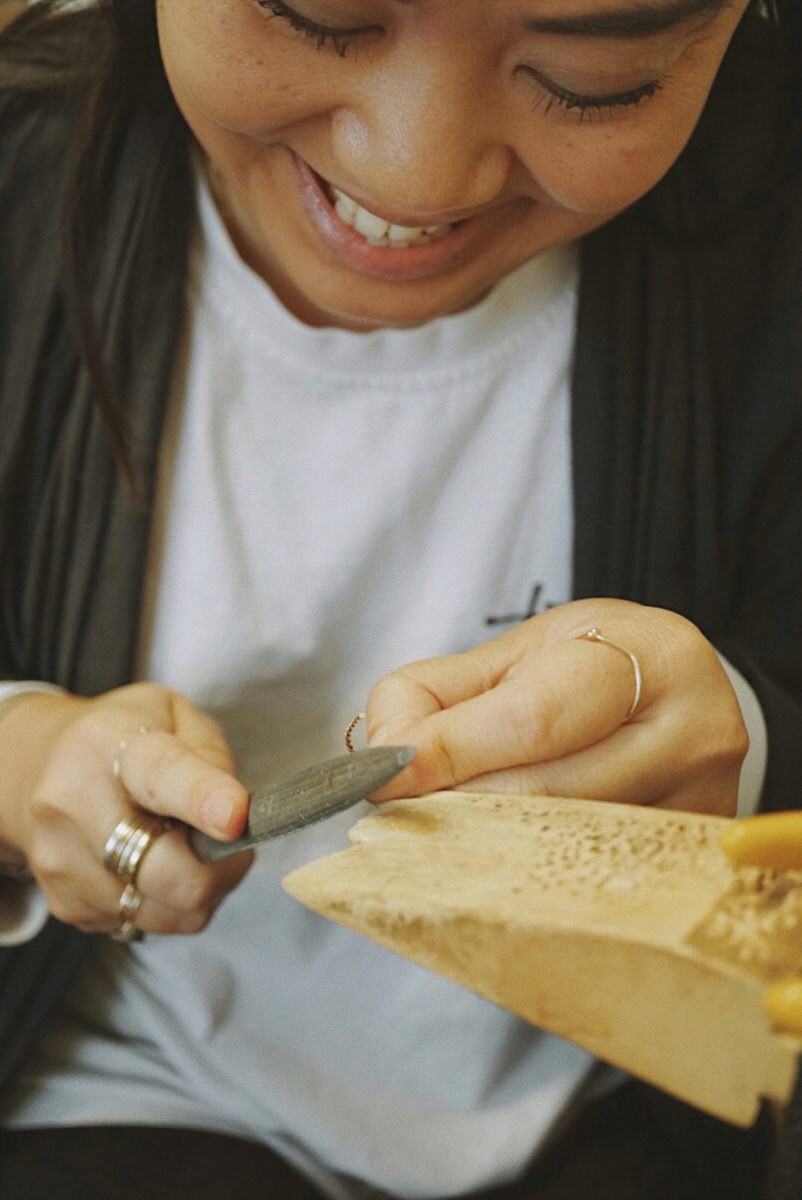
x=332 y=505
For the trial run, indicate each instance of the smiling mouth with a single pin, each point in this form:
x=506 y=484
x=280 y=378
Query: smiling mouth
x=376 y=230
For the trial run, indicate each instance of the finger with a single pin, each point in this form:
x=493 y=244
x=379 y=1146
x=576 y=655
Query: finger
x=166 y=777
x=179 y=894
x=555 y=702
x=625 y=768
x=148 y=707
x=173 y=876
x=151 y=918
x=202 y=733
x=186 y=903
x=431 y=685
x=631 y=767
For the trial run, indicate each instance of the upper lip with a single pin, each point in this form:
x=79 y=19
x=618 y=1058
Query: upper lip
x=414 y=221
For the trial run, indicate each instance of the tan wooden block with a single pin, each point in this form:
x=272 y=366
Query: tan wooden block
x=623 y=929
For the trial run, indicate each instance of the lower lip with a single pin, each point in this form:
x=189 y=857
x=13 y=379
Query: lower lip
x=383 y=262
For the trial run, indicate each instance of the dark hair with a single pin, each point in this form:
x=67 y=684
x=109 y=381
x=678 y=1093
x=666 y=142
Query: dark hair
x=110 y=52
x=109 y=55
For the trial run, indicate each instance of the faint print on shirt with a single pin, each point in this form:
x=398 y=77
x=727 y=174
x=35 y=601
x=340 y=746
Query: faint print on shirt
x=536 y=605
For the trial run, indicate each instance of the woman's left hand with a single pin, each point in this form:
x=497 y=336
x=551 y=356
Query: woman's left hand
x=541 y=710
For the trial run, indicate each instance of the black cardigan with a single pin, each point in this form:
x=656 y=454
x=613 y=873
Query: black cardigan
x=687 y=411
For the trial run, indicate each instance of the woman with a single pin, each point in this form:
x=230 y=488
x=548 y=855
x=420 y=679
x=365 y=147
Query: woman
x=455 y=209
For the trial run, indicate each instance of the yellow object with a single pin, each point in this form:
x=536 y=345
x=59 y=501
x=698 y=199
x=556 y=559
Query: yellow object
x=783 y=1003
x=772 y=840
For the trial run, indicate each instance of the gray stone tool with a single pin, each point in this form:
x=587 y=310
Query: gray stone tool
x=312 y=795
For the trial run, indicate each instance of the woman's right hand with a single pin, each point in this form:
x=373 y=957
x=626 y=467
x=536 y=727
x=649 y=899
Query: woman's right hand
x=61 y=800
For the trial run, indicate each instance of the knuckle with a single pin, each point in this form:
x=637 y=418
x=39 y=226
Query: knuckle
x=145 y=694
x=385 y=690
x=681 y=653
x=722 y=742
x=446 y=766
x=46 y=857
x=46 y=862
x=540 y=727
x=732 y=741
x=533 y=724
x=69 y=913
x=192 y=894
x=738 y=736
x=45 y=809
x=680 y=635
x=92 y=727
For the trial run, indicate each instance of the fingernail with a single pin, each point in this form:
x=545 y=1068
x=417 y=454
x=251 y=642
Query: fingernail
x=220 y=808
x=379 y=737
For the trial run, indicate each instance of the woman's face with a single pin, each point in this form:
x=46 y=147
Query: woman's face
x=338 y=130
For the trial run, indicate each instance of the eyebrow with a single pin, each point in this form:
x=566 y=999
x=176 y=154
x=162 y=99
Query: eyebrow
x=634 y=21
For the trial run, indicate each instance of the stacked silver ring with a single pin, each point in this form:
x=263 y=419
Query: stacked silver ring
x=123 y=854
x=130 y=840
x=125 y=851
x=130 y=900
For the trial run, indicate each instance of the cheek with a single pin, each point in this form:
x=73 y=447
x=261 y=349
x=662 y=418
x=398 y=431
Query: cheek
x=606 y=162
x=598 y=171
x=232 y=73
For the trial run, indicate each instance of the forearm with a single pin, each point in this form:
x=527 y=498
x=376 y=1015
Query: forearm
x=32 y=714
x=23 y=908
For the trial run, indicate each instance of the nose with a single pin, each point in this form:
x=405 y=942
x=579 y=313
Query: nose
x=421 y=138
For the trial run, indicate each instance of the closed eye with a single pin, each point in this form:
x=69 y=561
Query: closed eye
x=321 y=35
x=586 y=105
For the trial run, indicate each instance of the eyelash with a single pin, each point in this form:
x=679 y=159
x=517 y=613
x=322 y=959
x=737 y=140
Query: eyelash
x=590 y=106
x=586 y=106
x=321 y=35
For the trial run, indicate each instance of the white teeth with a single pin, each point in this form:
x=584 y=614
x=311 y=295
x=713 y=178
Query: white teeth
x=403 y=233
x=378 y=232
x=368 y=225
x=345 y=207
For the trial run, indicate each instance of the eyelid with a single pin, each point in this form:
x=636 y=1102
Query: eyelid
x=585 y=101
x=338 y=35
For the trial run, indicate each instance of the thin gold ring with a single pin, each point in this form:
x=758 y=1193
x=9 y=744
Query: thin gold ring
x=352 y=724
x=595 y=635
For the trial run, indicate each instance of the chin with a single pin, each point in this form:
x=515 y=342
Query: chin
x=347 y=310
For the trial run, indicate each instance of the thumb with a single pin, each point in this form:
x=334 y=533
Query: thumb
x=411 y=707
x=203 y=734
